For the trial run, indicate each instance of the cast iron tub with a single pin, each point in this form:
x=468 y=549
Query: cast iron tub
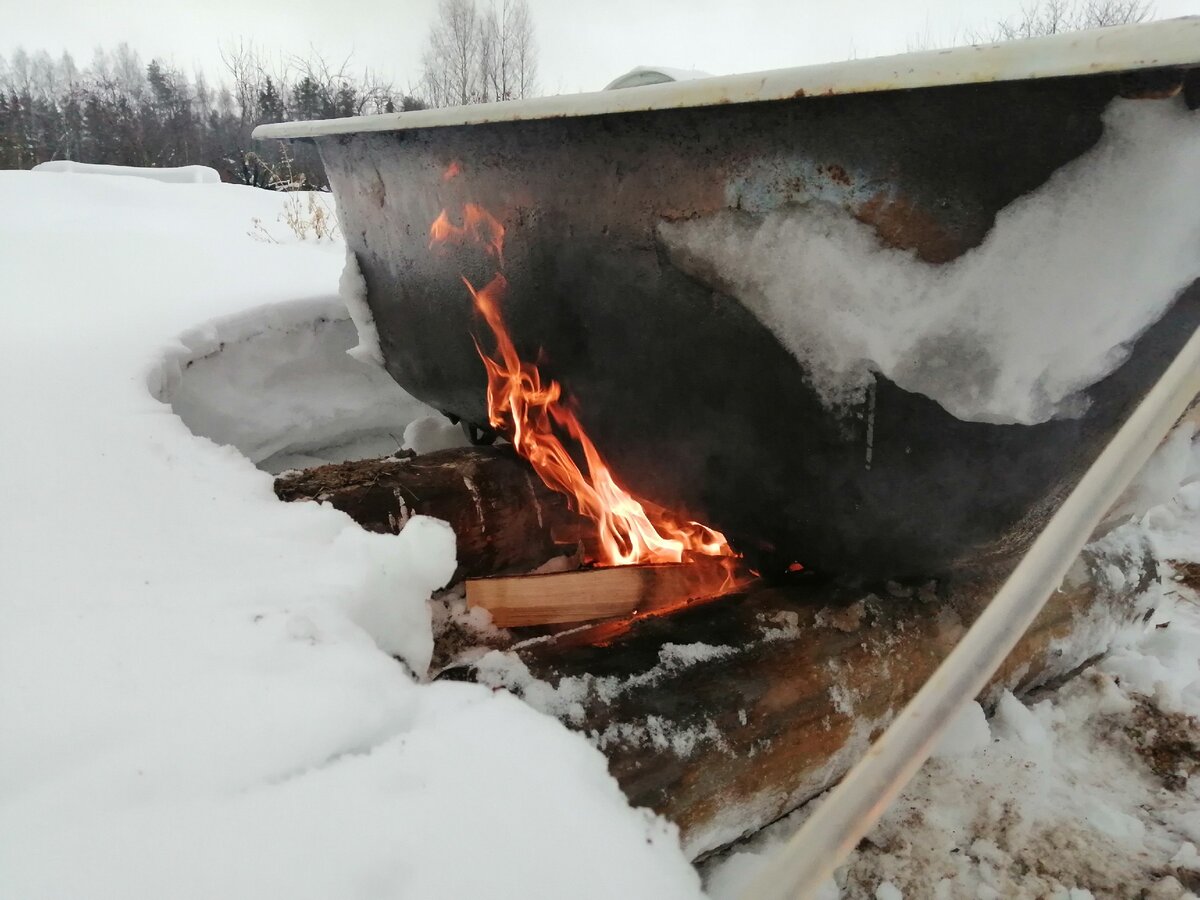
x=692 y=400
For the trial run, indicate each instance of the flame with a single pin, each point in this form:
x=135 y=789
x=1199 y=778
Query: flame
x=532 y=413
x=479 y=227
x=451 y=170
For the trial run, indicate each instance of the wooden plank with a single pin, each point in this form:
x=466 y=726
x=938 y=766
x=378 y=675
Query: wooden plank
x=590 y=594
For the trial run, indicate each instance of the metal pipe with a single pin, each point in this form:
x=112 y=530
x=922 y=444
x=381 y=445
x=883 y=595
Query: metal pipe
x=810 y=856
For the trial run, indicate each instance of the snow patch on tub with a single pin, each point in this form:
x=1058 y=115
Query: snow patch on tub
x=1011 y=331
x=352 y=288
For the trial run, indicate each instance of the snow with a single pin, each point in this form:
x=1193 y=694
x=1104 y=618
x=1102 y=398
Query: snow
x=166 y=174
x=565 y=699
x=205 y=692
x=1104 y=247
x=353 y=290
x=281 y=386
x=1086 y=789
x=430 y=433
x=968 y=733
x=198 y=691
x=1173 y=465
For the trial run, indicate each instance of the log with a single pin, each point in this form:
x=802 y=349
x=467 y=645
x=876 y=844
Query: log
x=726 y=715
x=504 y=518
x=590 y=594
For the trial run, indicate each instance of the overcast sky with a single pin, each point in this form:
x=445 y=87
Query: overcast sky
x=582 y=45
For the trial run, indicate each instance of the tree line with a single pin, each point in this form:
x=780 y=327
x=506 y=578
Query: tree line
x=121 y=110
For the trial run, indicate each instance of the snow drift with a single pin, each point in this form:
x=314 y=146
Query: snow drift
x=165 y=174
x=199 y=693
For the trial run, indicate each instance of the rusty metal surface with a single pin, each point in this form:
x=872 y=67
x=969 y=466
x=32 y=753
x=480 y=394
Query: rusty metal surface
x=696 y=405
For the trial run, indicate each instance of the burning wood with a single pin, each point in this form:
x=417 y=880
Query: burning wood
x=582 y=596
x=506 y=520
x=532 y=413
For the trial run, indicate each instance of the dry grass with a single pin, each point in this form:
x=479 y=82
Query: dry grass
x=306 y=213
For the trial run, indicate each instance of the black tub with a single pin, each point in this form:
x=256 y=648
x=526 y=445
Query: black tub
x=694 y=402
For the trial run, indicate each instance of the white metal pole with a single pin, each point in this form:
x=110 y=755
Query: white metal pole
x=810 y=856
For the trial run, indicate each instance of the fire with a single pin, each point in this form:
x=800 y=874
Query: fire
x=451 y=170
x=531 y=411
x=479 y=226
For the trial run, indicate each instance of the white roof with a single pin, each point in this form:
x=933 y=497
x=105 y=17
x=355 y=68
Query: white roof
x=1173 y=42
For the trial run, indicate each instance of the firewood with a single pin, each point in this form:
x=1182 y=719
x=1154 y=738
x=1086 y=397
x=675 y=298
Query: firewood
x=504 y=518
x=582 y=596
x=725 y=715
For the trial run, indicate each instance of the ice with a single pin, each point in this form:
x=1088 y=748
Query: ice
x=1011 y=331
x=200 y=694
x=165 y=174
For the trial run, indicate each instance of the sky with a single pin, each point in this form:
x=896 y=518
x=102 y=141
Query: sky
x=582 y=46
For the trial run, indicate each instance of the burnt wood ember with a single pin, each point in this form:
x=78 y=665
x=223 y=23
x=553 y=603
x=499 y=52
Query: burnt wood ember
x=504 y=518
x=727 y=714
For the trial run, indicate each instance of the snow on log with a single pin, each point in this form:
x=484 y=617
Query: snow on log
x=504 y=517
x=727 y=714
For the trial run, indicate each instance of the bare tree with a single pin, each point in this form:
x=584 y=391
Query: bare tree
x=451 y=58
x=510 y=68
x=1043 y=17
x=245 y=68
x=117 y=111
x=475 y=57
x=522 y=49
x=128 y=70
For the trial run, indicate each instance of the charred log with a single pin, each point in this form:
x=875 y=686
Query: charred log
x=727 y=714
x=504 y=517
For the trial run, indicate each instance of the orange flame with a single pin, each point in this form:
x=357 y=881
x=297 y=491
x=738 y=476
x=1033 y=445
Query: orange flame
x=479 y=226
x=451 y=170
x=532 y=413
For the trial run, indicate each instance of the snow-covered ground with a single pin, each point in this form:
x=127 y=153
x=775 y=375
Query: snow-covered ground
x=1087 y=790
x=199 y=690
x=197 y=696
